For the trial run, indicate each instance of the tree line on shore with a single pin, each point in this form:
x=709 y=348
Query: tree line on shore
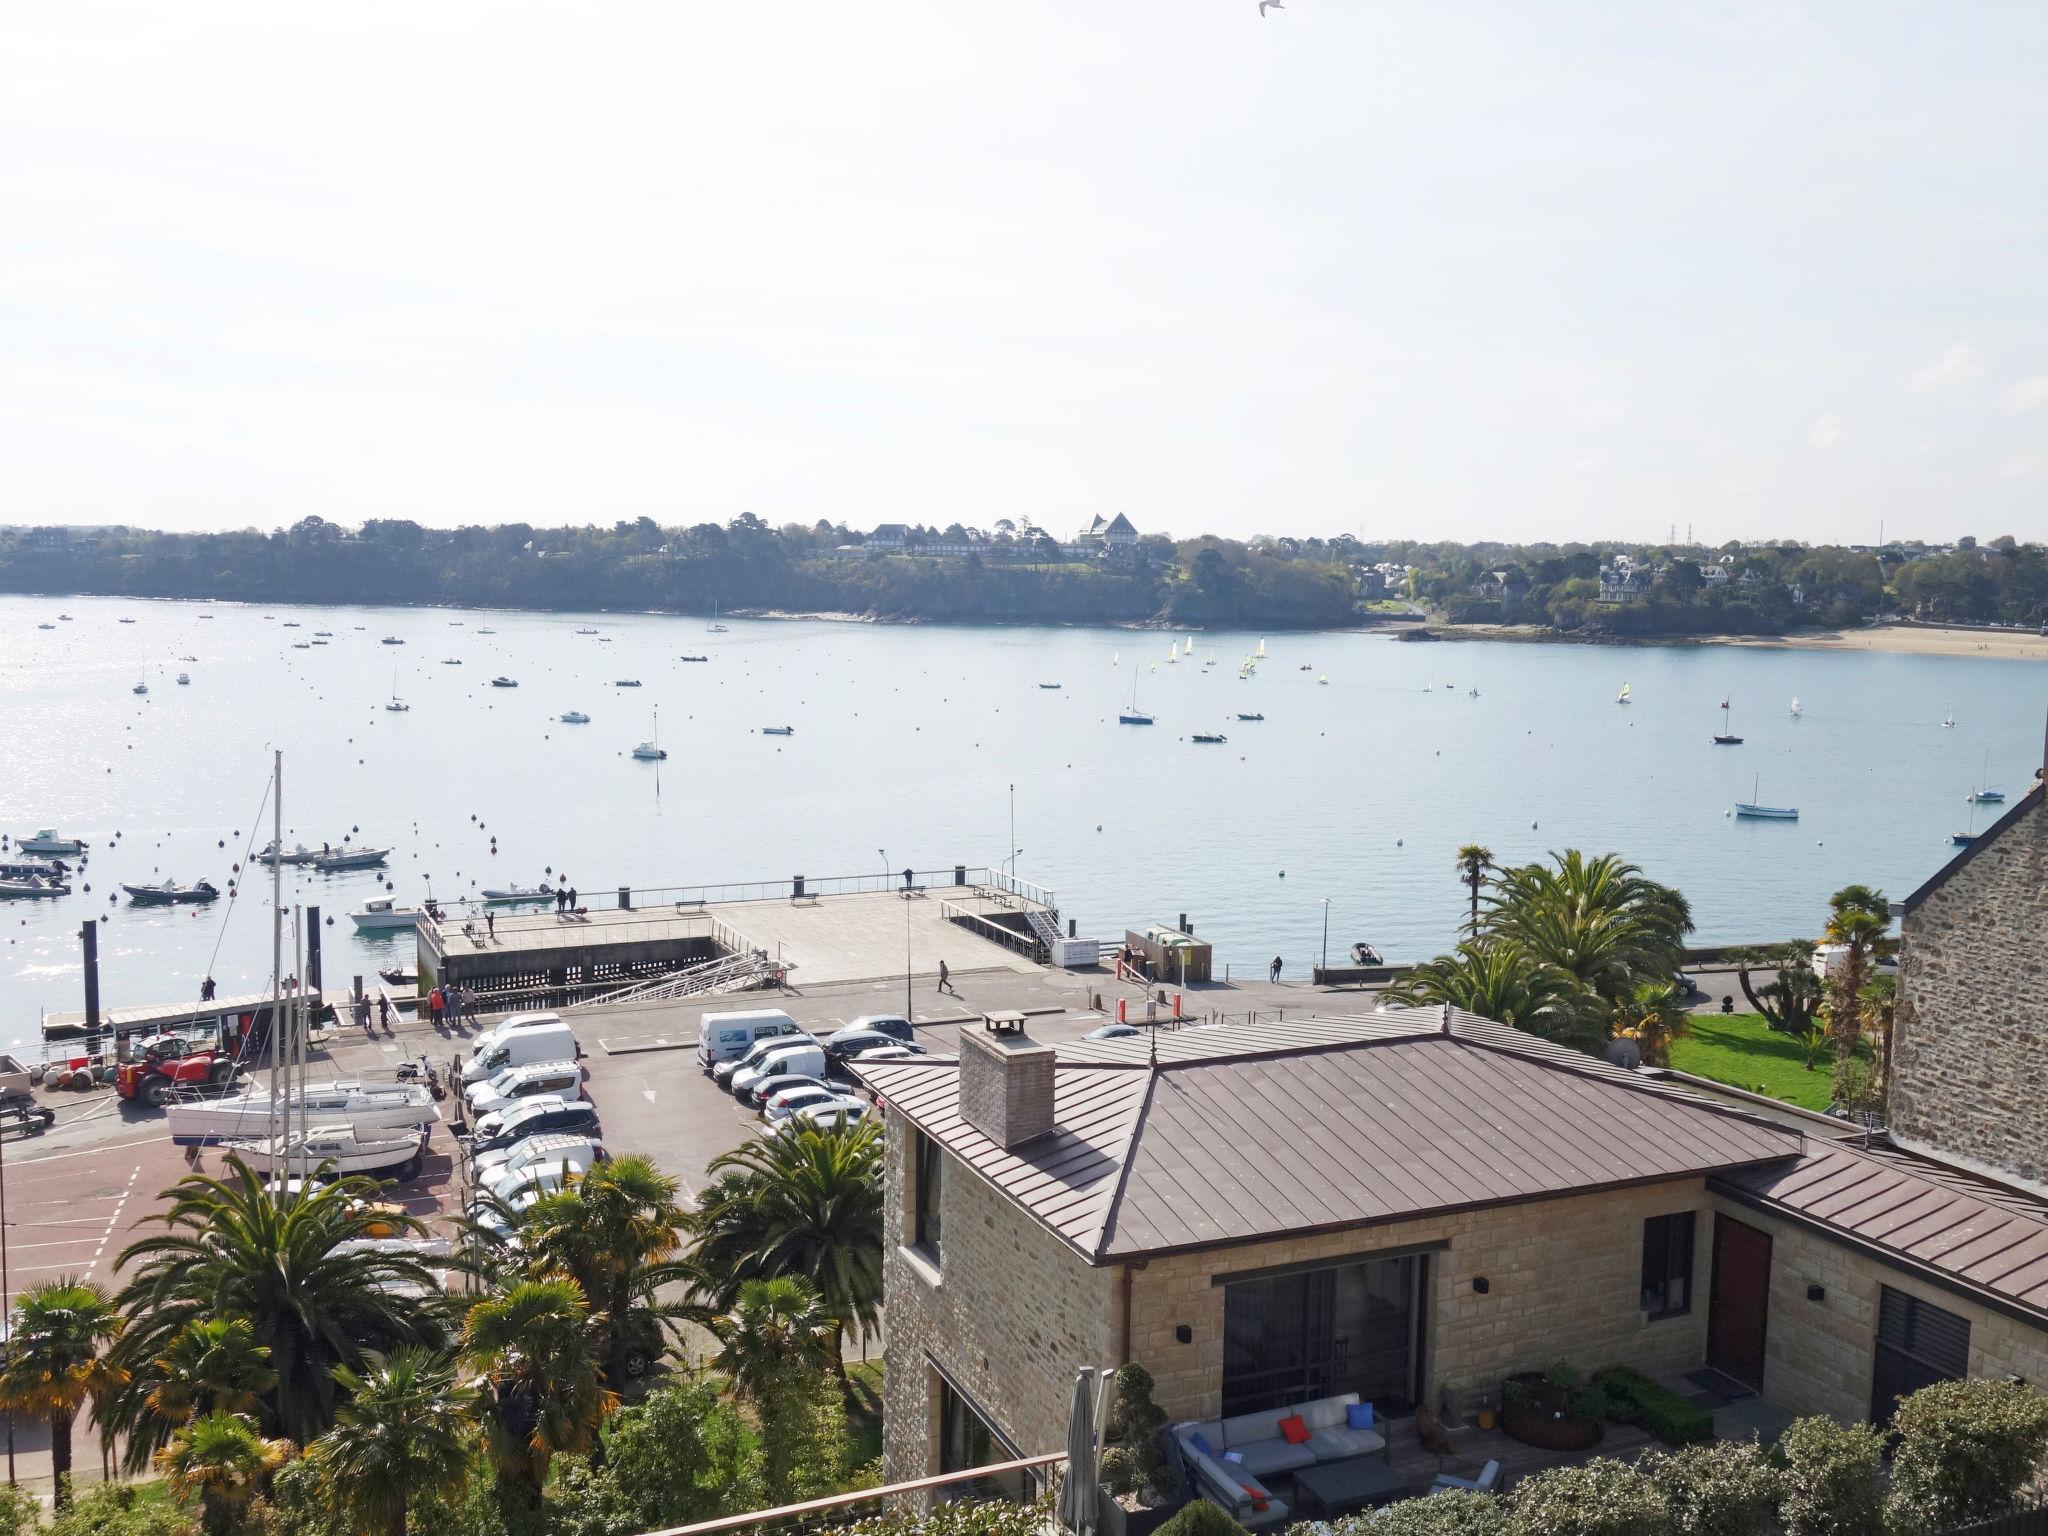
x=1270 y=583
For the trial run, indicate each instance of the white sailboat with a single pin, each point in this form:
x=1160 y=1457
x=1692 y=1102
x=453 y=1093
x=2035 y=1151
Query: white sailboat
x=1795 y=706
x=1260 y=652
x=1949 y=720
x=1623 y=697
x=714 y=627
x=349 y=1101
x=343 y=1149
x=397 y=706
x=1132 y=715
x=1750 y=810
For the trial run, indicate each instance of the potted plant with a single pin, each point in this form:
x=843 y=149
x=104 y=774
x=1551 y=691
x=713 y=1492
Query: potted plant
x=1135 y=1499
x=1554 y=1409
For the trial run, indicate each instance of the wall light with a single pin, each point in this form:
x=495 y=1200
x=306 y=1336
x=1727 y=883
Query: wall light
x=1481 y=1284
x=1183 y=1333
x=1816 y=1293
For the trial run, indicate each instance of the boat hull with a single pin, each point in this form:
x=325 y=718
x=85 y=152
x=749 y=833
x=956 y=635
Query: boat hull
x=384 y=922
x=377 y=1157
x=149 y=896
x=1767 y=812
x=1133 y=719
x=238 y=1116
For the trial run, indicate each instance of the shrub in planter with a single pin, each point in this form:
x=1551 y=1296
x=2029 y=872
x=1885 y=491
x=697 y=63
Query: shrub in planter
x=1602 y=1498
x=1966 y=1449
x=1133 y=1464
x=1717 y=1490
x=1443 y=1514
x=1636 y=1399
x=1834 y=1479
x=1553 y=1409
x=1201 y=1518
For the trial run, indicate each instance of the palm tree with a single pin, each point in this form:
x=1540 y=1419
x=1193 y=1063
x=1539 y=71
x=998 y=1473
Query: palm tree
x=1858 y=918
x=1599 y=920
x=402 y=1436
x=1474 y=860
x=1653 y=1016
x=614 y=1231
x=221 y=1460
x=775 y=1328
x=1789 y=1003
x=234 y=1248
x=534 y=1345
x=210 y=1363
x=55 y=1361
x=1497 y=979
x=806 y=1203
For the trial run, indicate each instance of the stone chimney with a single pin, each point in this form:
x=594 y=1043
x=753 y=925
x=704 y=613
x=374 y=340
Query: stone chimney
x=1005 y=1085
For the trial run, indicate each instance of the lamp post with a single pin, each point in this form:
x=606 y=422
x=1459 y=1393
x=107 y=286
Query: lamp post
x=1326 y=934
x=887 y=874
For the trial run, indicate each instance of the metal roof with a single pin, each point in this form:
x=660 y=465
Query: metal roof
x=2030 y=801
x=1960 y=1230
x=1247 y=1133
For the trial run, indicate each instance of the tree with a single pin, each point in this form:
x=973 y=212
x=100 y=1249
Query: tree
x=221 y=1460
x=1598 y=920
x=1474 y=860
x=534 y=1346
x=402 y=1436
x=1788 y=1003
x=55 y=1361
x=234 y=1248
x=209 y=1364
x=1965 y=1450
x=1497 y=979
x=1653 y=1016
x=775 y=1327
x=806 y=1203
x=1858 y=919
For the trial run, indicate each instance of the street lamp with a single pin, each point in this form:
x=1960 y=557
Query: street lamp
x=1326 y=934
x=888 y=874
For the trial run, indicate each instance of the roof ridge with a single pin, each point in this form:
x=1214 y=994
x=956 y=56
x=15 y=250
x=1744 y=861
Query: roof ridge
x=1114 y=1204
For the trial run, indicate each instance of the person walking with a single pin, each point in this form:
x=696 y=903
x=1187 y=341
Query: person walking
x=945 y=979
x=384 y=1012
x=434 y=1005
x=1276 y=968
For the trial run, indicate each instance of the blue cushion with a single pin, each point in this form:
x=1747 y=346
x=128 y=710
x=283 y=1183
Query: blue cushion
x=1201 y=1443
x=1358 y=1416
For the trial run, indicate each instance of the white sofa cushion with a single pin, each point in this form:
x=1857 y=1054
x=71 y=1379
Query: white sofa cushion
x=1248 y=1427
x=1262 y=1457
x=1327 y=1412
x=1340 y=1444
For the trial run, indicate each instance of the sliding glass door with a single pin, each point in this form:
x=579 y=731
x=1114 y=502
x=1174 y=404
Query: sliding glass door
x=1314 y=1333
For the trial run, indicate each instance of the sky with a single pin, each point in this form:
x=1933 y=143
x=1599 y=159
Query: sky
x=1441 y=269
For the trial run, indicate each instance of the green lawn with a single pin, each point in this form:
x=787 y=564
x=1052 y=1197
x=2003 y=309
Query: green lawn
x=864 y=1412
x=1740 y=1050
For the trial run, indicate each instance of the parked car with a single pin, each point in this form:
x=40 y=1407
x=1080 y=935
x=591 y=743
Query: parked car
x=788 y=1102
x=722 y=1037
x=562 y=1079
x=532 y=1151
x=766 y=1088
x=1115 y=1032
x=543 y=1037
x=724 y=1072
x=849 y=1043
x=889 y=1053
x=846 y=1112
x=541 y=1116
x=892 y=1027
x=549 y=1173
x=805 y=1057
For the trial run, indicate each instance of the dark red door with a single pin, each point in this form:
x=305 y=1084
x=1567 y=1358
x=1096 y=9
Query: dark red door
x=1741 y=1302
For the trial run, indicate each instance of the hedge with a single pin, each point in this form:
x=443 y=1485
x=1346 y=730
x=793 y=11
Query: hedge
x=1665 y=1414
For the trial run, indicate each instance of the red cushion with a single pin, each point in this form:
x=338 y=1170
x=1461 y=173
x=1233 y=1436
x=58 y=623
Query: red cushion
x=1254 y=1492
x=1294 y=1430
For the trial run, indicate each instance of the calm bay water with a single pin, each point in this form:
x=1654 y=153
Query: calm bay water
x=908 y=739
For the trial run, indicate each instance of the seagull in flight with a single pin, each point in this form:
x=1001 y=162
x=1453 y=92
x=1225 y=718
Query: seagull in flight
x=1265 y=5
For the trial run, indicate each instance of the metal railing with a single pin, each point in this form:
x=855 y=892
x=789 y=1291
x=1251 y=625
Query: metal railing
x=728 y=973
x=1043 y=895
x=1023 y=940
x=842 y=1508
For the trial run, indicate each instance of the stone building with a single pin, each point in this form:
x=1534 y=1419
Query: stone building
x=1970 y=1040
x=1410 y=1205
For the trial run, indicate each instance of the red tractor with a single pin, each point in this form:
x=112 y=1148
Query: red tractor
x=162 y=1064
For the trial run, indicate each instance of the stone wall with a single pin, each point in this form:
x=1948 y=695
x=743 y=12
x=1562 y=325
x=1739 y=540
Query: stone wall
x=1819 y=1356
x=1970 y=1077
x=1012 y=1312
x=1564 y=1284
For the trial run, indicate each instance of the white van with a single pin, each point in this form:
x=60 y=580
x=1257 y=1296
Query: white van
x=512 y=1023
x=563 y=1078
x=806 y=1057
x=529 y=1043
x=726 y=1036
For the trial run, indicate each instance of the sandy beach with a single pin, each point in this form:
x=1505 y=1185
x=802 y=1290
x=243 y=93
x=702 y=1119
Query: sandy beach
x=1915 y=640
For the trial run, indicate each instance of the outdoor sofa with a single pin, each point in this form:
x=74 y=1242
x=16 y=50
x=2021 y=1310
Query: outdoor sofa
x=1243 y=1453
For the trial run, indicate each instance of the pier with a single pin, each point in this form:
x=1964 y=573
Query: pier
x=813 y=932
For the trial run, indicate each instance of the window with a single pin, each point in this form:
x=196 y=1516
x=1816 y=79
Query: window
x=931 y=1195
x=1339 y=1328
x=1667 y=1265
x=1917 y=1345
x=966 y=1441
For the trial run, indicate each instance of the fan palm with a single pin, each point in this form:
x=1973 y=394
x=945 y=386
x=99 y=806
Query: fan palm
x=1497 y=979
x=1474 y=860
x=56 y=1360
x=233 y=1247
x=1858 y=918
x=1599 y=920
x=1653 y=1016
x=534 y=1345
x=775 y=1327
x=220 y=1459
x=402 y=1436
x=210 y=1363
x=807 y=1203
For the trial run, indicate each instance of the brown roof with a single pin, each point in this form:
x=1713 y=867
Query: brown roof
x=1317 y=1124
x=1934 y=882
x=1959 y=1230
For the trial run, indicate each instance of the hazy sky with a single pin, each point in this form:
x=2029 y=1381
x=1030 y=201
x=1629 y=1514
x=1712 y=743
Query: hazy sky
x=1435 y=269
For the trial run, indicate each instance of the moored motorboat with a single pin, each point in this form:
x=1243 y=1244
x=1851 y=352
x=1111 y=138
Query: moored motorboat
x=515 y=893
x=504 y=682
x=170 y=893
x=49 y=841
x=391 y=640
x=300 y=854
x=350 y=858
x=778 y=730
x=382 y=913
x=1052 y=687
x=140 y=688
x=693 y=658
x=339 y=1150
x=1251 y=717
x=574 y=717
x=1364 y=954
x=32 y=886
x=627 y=682
x=184 y=678
x=649 y=752
x=397 y=1106
x=1209 y=738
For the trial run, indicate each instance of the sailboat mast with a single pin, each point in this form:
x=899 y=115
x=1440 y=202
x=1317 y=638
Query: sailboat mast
x=276 y=923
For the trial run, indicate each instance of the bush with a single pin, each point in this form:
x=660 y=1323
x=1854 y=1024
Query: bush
x=1602 y=1498
x=1856 y=1086
x=1199 y=1517
x=1834 y=1479
x=968 y=1517
x=1635 y=1399
x=1133 y=1463
x=1717 y=1490
x=1443 y=1514
x=121 y=1509
x=1966 y=1449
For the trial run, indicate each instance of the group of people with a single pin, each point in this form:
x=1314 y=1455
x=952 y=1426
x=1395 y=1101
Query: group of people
x=362 y=1012
x=451 y=1004
x=565 y=899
